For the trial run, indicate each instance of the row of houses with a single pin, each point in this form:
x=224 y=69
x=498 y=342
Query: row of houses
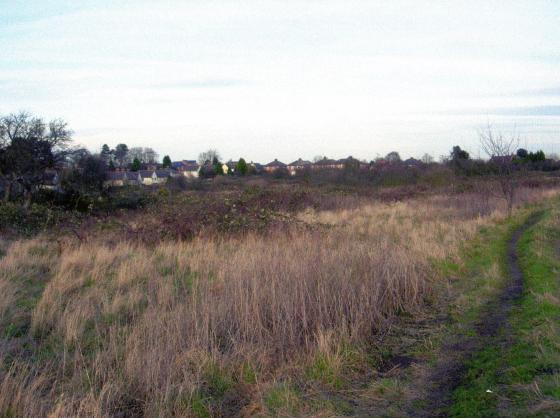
x=192 y=170
x=323 y=164
x=141 y=177
x=186 y=168
x=330 y=164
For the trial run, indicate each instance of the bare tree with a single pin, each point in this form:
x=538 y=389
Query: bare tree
x=211 y=156
x=136 y=153
x=427 y=159
x=496 y=144
x=29 y=146
x=500 y=150
x=150 y=155
x=145 y=155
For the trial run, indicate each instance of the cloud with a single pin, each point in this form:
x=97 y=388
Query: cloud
x=541 y=92
x=526 y=111
x=201 y=84
x=521 y=111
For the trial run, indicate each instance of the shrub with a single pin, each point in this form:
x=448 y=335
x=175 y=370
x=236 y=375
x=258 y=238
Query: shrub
x=177 y=183
x=14 y=217
x=128 y=198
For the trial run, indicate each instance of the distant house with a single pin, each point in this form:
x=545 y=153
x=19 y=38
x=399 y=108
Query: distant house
x=380 y=163
x=273 y=166
x=133 y=178
x=501 y=159
x=51 y=180
x=151 y=177
x=231 y=165
x=413 y=162
x=115 y=178
x=137 y=178
x=122 y=178
x=328 y=164
x=353 y=163
x=188 y=168
x=299 y=165
x=255 y=168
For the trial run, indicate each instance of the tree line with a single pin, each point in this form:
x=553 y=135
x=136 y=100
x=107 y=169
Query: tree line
x=134 y=158
x=31 y=146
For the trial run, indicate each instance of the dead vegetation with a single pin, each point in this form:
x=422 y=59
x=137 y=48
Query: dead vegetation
x=220 y=324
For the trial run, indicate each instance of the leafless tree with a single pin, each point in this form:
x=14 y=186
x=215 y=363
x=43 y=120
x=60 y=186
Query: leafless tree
x=136 y=153
x=145 y=155
x=500 y=150
x=29 y=146
x=24 y=125
x=427 y=158
x=208 y=156
x=150 y=155
x=496 y=144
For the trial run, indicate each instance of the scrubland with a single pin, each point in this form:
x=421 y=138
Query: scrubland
x=224 y=324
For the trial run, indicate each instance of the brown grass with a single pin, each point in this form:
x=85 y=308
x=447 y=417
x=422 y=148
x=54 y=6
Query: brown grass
x=211 y=323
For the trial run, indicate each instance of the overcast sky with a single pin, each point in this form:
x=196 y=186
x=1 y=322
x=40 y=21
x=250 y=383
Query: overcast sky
x=264 y=79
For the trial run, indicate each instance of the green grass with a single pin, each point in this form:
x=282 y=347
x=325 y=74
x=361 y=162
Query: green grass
x=322 y=370
x=481 y=279
x=522 y=379
x=30 y=285
x=199 y=407
x=282 y=400
x=532 y=365
x=218 y=380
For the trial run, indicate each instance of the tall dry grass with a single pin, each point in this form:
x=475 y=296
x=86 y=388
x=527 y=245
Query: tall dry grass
x=128 y=329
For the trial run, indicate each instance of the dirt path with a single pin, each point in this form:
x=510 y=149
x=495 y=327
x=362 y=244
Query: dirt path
x=490 y=328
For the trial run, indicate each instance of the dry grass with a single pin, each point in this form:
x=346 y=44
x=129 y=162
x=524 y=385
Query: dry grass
x=182 y=328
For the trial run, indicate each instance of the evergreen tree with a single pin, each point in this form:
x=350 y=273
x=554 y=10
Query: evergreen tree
x=166 y=162
x=106 y=153
x=241 y=167
x=218 y=169
x=537 y=156
x=135 y=165
x=393 y=157
x=459 y=154
x=522 y=153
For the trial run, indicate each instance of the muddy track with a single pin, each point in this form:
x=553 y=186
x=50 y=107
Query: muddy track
x=489 y=328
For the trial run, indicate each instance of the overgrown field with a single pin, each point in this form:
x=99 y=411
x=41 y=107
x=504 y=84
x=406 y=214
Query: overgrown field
x=269 y=322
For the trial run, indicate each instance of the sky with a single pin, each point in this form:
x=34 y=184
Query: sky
x=285 y=79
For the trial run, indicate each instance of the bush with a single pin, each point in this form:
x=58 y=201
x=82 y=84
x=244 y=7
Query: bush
x=176 y=184
x=129 y=198
x=15 y=218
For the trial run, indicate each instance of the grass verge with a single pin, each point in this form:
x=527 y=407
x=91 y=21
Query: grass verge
x=517 y=373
